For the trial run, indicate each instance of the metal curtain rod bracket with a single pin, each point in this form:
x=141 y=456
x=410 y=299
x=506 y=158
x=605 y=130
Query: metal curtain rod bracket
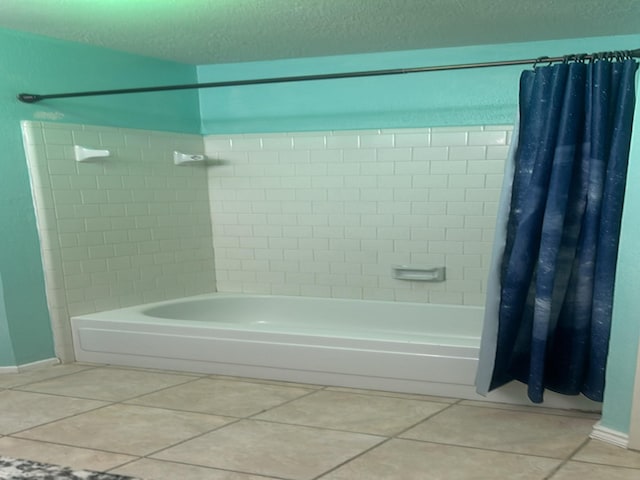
x=34 y=97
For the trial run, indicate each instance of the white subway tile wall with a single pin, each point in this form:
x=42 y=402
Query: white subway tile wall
x=126 y=230
x=328 y=213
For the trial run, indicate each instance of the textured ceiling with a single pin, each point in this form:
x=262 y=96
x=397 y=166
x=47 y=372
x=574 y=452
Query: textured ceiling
x=222 y=31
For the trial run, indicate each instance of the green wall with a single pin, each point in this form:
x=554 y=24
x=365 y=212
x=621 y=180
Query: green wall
x=463 y=97
x=466 y=97
x=6 y=347
x=625 y=331
x=39 y=65
x=36 y=64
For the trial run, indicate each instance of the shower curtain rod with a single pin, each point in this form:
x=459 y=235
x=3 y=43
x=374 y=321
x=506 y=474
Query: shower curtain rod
x=619 y=54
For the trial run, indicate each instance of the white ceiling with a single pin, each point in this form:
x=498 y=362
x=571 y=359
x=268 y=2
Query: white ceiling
x=222 y=31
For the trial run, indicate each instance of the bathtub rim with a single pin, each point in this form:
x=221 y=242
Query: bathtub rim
x=513 y=393
x=138 y=314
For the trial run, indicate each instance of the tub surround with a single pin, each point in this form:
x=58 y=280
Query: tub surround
x=393 y=346
x=121 y=232
x=329 y=213
x=313 y=214
x=316 y=214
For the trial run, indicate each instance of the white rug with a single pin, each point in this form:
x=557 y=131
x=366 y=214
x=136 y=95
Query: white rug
x=14 y=469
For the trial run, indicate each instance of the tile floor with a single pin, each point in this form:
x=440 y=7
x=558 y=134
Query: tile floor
x=170 y=425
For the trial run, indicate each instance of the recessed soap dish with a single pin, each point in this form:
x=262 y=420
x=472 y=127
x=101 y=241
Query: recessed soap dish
x=418 y=274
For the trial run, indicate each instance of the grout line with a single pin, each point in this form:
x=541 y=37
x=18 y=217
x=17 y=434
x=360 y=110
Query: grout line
x=316 y=427
x=265 y=381
x=471 y=447
x=205 y=467
x=103 y=400
x=107 y=404
x=70 y=445
x=458 y=403
x=251 y=417
x=390 y=394
x=566 y=459
x=236 y=420
x=152 y=370
x=122 y=401
x=46 y=442
x=364 y=452
x=558 y=412
x=17 y=386
x=388 y=439
x=311 y=391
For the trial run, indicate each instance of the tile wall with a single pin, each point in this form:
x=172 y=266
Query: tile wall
x=313 y=214
x=131 y=229
x=328 y=213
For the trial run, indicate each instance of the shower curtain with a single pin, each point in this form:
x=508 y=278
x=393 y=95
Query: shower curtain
x=550 y=289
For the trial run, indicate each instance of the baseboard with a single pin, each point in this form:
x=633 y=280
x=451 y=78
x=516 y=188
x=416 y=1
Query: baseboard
x=609 y=435
x=25 y=367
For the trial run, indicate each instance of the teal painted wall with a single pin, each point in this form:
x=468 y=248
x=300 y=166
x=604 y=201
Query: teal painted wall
x=467 y=97
x=36 y=64
x=625 y=330
x=6 y=348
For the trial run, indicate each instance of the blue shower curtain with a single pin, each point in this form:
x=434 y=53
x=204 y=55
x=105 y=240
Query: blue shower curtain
x=550 y=291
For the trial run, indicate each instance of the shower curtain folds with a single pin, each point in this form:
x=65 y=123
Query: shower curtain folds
x=550 y=291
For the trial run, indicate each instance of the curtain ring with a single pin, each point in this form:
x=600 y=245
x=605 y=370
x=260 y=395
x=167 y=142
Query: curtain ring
x=538 y=60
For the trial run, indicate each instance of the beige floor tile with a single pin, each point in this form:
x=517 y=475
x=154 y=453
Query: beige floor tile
x=162 y=470
x=80 y=458
x=222 y=397
x=584 y=471
x=504 y=430
x=410 y=396
x=354 y=412
x=9 y=380
x=264 y=448
x=126 y=429
x=110 y=384
x=156 y=370
x=532 y=409
x=410 y=460
x=600 y=452
x=310 y=386
x=22 y=410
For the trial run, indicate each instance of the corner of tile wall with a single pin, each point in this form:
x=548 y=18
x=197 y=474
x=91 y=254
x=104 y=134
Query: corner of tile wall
x=129 y=229
x=328 y=213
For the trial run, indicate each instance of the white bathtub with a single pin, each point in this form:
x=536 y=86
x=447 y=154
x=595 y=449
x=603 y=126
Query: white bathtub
x=394 y=346
x=403 y=347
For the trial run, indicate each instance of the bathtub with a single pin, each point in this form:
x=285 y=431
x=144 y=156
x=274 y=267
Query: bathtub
x=409 y=347
x=393 y=346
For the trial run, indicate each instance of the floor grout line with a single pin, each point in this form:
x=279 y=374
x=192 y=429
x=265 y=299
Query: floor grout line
x=67 y=417
x=566 y=459
x=387 y=440
x=15 y=387
x=312 y=389
x=102 y=450
x=205 y=467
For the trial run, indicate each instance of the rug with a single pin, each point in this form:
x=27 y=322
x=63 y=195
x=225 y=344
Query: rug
x=14 y=469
